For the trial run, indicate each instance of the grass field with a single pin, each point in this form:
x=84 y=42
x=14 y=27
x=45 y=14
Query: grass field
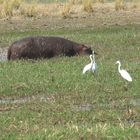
x=51 y=99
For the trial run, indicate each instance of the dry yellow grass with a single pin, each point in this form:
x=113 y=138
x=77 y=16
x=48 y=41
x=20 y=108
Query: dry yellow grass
x=100 y=1
x=75 y=1
x=119 y=5
x=72 y=1
x=11 y=8
x=66 y=10
x=87 y=5
x=1 y=1
x=136 y=4
x=29 y=10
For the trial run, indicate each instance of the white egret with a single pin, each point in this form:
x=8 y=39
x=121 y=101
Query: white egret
x=91 y=66
x=123 y=72
x=88 y=66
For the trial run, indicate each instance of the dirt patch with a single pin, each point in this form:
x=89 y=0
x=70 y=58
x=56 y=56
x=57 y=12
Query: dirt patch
x=102 y=15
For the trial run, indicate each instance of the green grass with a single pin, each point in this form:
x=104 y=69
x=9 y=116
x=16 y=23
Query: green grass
x=76 y=106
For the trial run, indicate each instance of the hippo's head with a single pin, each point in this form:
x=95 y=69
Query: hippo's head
x=84 y=50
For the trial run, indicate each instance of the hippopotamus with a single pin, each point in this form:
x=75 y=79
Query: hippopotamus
x=38 y=47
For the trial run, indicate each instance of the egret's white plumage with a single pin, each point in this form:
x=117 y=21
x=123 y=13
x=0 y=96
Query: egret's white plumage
x=94 y=65
x=91 y=66
x=124 y=73
x=88 y=66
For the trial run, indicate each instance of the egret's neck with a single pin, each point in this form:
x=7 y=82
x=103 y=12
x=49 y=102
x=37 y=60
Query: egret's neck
x=119 y=67
x=91 y=58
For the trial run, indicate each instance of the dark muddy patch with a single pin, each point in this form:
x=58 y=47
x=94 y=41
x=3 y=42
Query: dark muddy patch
x=80 y=107
x=113 y=104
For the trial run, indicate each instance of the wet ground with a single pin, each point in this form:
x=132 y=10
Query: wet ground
x=11 y=103
x=48 y=99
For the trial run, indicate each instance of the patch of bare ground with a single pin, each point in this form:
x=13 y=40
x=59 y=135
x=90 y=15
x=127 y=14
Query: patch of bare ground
x=102 y=15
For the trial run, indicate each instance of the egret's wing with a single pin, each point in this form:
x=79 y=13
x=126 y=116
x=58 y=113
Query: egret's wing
x=87 y=68
x=126 y=75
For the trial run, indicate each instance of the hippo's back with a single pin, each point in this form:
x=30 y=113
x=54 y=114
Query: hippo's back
x=40 y=46
x=45 y=47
